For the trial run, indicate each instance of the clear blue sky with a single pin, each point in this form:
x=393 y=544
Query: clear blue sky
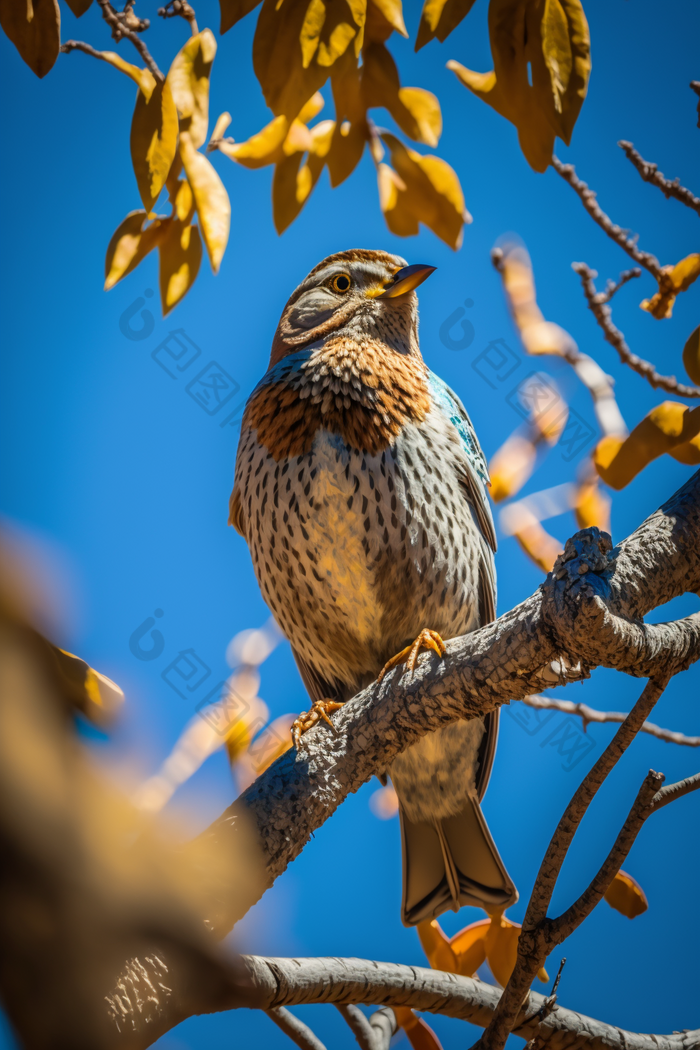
x=122 y=480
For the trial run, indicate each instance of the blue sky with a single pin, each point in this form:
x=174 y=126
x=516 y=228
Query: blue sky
x=118 y=479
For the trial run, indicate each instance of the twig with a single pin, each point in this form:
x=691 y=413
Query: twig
x=540 y=934
x=297 y=1031
x=373 y=1033
x=79 y=45
x=615 y=232
x=180 y=7
x=614 y=286
x=126 y=24
x=673 y=791
x=589 y=714
x=695 y=85
x=650 y=173
x=603 y=315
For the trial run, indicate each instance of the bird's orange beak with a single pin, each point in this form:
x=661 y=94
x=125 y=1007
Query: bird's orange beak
x=406 y=279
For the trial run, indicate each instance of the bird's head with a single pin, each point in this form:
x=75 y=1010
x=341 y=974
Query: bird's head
x=359 y=294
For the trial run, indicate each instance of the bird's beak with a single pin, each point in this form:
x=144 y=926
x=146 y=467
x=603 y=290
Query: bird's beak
x=406 y=279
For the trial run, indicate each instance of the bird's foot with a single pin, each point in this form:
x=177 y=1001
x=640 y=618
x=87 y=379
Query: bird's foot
x=427 y=639
x=320 y=710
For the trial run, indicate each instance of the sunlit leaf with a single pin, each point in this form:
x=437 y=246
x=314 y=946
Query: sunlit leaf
x=626 y=896
x=592 y=506
x=420 y=1034
x=34 y=27
x=469 y=947
x=437 y=946
x=393 y=13
x=432 y=192
x=679 y=278
x=143 y=77
x=98 y=697
x=220 y=127
x=130 y=243
x=154 y=130
x=293 y=181
x=78 y=7
x=670 y=427
x=438 y=19
x=346 y=150
x=511 y=466
x=260 y=149
x=393 y=200
x=180 y=258
x=189 y=82
x=691 y=355
x=233 y=11
x=537 y=543
x=211 y=200
x=417 y=112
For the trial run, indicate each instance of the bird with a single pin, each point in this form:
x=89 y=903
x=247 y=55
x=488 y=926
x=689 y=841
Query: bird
x=360 y=488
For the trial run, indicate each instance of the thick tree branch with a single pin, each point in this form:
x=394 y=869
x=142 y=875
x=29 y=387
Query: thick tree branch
x=296 y=982
x=597 y=303
x=615 y=232
x=590 y=714
x=650 y=173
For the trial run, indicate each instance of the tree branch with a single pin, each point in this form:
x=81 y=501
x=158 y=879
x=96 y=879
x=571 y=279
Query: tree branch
x=297 y=1031
x=126 y=24
x=650 y=173
x=182 y=9
x=673 y=791
x=603 y=314
x=373 y=1033
x=615 y=232
x=590 y=714
x=695 y=86
x=296 y=982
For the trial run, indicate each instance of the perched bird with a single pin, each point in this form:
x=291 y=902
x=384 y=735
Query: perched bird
x=360 y=489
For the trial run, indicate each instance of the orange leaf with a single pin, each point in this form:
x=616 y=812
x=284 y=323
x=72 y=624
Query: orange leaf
x=502 y=948
x=437 y=947
x=420 y=1035
x=469 y=947
x=626 y=896
x=670 y=427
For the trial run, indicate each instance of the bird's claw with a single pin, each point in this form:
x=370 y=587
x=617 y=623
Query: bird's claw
x=320 y=710
x=427 y=639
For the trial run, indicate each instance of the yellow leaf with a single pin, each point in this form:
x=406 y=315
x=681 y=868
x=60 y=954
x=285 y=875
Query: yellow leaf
x=143 y=77
x=78 y=7
x=310 y=33
x=676 y=279
x=417 y=112
x=188 y=79
x=511 y=466
x=433 y=193
x=154 y=129
x=260 y=149
x=469 y=947
x=211 y=200
x=233 y=11
x=393 y=13
x=664 y=429
x=437 y=947
x=438 y=19
x=539 y=546
x=97 y=696
x=180 y=257
x=130 y=244
x=346 y=150
x=184 y=202
x=220 y=127
x=393 y=200
x=626 y=896
x=420 y=1035
x=293 y=181
x=591 y=506
x=425 y=110
x=691 y=355
x=35 y=30
x=311 y=109
x=502 y=948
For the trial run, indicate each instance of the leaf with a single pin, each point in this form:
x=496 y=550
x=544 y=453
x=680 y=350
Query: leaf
x=78 y=7
x=211 y=200
x=180 y=253
x=34 y=27
x=417 y=112
x=188 y=79
x=420 y=1035
x=130 y=243
x=220 y=127
x=626 y=896
x=433 y=194
x=143 y=77
x=502 y=947
x=393 y=13
x=393 y=201
x=293 y=181
x=438 y=19
x=469 y=947
x=346 y=150
x=260 y=149
x=678 y=278
x=670 y=427
x=691 y=355
x=591 y=506
x=536 y=542
x=289 y=74
x=154 y=130
x=437 y=946
x=233 y=11
x=511 y=466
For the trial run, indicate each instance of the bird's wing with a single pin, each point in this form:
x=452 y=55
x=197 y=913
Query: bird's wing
x=476 y=475
x=474 y=481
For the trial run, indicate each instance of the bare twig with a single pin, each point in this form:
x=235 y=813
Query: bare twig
x=695 y=86
x=126 y=24
x=614 y=286
x=603 y=315
x=373 y=1033
x=673 y=791
x=297 y=1031
x=80 y=45
x=650 y=173
x=180 y=7
x=589 y=714
x=616 y=233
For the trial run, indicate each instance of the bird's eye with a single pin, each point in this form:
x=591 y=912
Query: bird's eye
x=340 y=283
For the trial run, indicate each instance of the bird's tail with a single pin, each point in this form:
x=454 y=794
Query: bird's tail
x=451 y=863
